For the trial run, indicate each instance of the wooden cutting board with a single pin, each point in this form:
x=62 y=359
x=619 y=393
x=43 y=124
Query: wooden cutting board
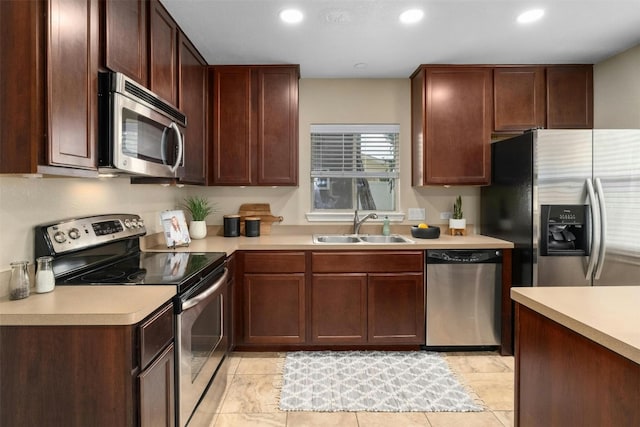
x=258 y=210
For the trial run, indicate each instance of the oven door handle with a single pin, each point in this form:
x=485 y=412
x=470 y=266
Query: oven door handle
x=204 y=295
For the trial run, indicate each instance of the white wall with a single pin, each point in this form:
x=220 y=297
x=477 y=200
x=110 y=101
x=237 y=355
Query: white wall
x=616 y=91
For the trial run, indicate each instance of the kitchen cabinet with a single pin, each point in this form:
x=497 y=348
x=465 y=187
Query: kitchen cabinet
x=274 y=309
x=565 y=378
x=339 y=308
x=22 y=116
x=72 y=82
x=163 y=53
x=385 y=291
x=125 y=46
x=192 y=74
x=103 y=375
x=254 y=130
x=518 y=98
x=451 y=111
x=569 y=96
x=50 y=117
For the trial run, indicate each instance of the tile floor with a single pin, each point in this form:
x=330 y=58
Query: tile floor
x=251 y=397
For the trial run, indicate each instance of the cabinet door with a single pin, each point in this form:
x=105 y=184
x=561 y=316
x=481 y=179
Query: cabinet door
x=232 y=126
x=277 y=129
x=163 y=34
x=339 y=308
x=518 y=98
x=274 y=308
x=396 y=308
x=570 y=97
x=156 y=384
x=21 y=105
x=457 y=125
x=72 y=59
x=192 y=102
x=125 y=38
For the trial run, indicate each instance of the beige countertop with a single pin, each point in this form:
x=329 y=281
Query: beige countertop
x=216 y=243
x=122 y=305
x=608 y=315
x=86 y=305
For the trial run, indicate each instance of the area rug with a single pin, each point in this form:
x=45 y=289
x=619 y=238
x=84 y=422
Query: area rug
x=380 y=381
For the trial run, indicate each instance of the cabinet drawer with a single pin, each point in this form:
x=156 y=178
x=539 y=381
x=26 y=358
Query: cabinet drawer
x=274 y=262
x=366 y=262
x=155 y=334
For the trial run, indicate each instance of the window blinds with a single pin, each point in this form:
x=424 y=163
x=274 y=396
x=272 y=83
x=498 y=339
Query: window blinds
x=355 y=151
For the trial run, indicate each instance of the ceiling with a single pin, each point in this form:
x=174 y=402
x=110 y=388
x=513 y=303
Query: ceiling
x=336 y=35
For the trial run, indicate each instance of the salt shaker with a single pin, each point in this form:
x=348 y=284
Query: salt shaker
x=19 y=283
x=45 y=280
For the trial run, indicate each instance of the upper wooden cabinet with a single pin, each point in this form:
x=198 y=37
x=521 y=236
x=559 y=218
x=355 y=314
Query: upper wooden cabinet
x=570 y=97
x=72 y=82
x=22 y=87
x=125 y=46
x=518 y=98
x=553 y=97
x=163 y=53
x=254 y=130
x=451 y=125
x=192 y=74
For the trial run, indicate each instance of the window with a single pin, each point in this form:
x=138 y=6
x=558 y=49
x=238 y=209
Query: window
x=354 y=167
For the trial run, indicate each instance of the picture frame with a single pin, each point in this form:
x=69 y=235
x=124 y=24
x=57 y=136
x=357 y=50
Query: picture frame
x=176 y=232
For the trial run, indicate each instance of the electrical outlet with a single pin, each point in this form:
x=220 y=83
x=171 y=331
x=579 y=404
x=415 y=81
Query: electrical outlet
x=416 y=214
x=445 y=215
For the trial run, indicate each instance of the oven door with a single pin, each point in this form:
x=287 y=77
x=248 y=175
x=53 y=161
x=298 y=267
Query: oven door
x=144 y=141
x=200 y=339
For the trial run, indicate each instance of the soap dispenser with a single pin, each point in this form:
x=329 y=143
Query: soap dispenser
x=385 y=227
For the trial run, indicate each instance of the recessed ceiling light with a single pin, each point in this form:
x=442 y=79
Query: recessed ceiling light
x=411 y=16
x=530 y=16
x=291 y=16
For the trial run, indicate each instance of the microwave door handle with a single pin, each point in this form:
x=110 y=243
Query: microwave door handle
x=163 y=144
x=180 y=147
x=595 y=239
x=603 y=228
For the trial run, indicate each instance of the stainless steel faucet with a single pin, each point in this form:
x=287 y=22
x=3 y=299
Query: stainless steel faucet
x=357 y=222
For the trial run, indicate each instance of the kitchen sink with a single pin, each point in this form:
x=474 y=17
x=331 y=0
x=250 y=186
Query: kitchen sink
x=335 y=239
x=351 y=239
x=395 y=238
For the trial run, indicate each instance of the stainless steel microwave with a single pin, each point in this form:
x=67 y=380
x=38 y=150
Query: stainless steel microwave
x=139 y=133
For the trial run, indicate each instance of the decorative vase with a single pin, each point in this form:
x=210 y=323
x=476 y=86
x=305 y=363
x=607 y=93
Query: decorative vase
x=457 y=223
x=198 y=229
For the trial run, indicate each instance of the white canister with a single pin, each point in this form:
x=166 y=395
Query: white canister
x=45 y=279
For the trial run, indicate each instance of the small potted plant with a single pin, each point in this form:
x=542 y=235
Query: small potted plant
x=199 y=208
x=457 y=221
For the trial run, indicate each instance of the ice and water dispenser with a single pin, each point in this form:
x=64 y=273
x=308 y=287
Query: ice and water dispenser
x=564 y=230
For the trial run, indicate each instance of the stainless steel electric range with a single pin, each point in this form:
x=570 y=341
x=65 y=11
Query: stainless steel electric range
x=105 y=250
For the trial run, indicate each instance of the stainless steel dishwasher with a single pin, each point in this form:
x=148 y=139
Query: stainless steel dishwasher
x=463 y=297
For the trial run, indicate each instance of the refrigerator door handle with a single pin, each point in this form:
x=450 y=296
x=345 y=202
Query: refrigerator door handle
x=595 y=239
x=603 y=228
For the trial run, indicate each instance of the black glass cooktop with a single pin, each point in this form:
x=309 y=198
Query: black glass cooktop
x=150 y=268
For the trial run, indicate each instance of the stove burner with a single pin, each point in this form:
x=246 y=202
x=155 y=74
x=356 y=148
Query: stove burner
x=103 y=276
x=137 y=277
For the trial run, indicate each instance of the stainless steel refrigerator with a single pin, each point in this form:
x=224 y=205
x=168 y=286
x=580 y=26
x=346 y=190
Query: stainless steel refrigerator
x=570 y=202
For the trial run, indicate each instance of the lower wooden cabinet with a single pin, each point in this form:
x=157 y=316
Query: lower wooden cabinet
x=274 y=308
x=311 y=299
x=339 y=308
x=111 y=375
x=157 y=391
x=273 y=298
x=396 y=308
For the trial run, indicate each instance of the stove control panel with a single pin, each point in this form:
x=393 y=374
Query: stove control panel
x=83 y=233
